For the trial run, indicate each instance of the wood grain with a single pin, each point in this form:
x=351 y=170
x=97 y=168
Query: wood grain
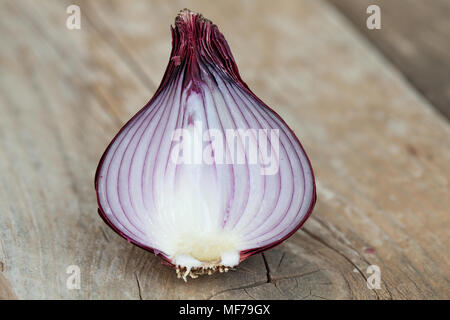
x=380 y=152
x=415 y=37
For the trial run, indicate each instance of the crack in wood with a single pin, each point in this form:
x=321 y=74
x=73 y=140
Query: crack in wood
x=139 y=286
x=294 y=276
x=274 y=279
x=252 y=297
x=256 y=284
x=341 y=254
x=266 y=264
x=281 y=260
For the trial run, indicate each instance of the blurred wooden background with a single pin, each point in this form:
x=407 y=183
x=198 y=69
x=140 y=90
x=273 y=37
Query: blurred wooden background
x=367 y=105
x=415 y=37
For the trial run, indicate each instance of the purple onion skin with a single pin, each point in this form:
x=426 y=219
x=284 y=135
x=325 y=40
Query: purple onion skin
x=190 y=46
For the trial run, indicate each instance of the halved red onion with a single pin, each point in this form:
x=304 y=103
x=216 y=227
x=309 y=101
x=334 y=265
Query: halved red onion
x=205 y=175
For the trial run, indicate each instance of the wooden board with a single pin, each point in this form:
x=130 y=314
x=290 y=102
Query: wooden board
x=415 y=37
x=380 y=152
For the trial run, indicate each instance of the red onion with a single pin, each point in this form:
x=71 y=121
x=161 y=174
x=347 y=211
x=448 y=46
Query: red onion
x=205 y=175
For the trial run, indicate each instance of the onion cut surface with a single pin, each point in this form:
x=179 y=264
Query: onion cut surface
x=205 y=175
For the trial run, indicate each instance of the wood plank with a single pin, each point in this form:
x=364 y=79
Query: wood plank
x=415 y=37
x=379 y=150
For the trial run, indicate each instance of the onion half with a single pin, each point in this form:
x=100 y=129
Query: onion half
x=206 y=174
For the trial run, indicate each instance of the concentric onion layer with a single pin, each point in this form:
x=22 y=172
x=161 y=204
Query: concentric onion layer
x=201 y=207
